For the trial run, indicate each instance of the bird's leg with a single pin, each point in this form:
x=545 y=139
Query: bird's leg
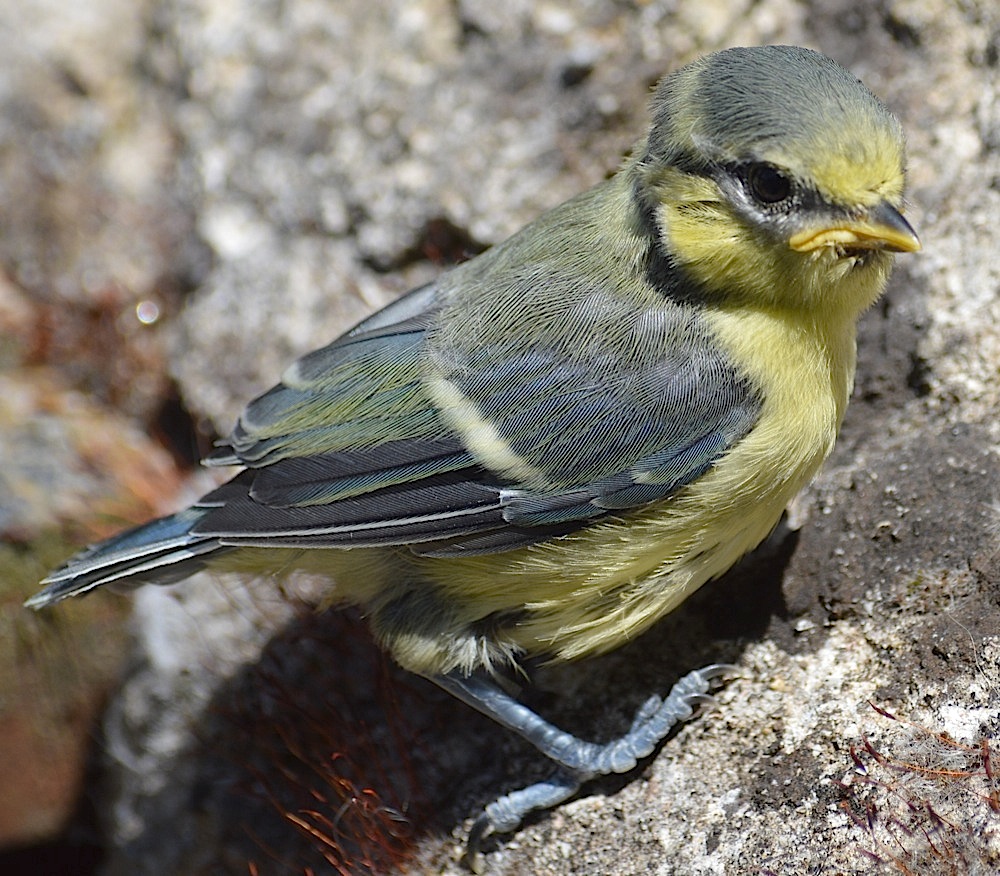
x=578 y=760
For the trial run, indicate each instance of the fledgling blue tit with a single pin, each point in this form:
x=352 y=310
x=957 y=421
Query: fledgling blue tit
x=555 y=443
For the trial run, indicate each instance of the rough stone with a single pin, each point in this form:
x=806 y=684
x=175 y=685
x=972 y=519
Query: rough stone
x=325 y=157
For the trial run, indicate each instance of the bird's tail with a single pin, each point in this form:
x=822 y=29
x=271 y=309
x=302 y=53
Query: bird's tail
x=160 y=552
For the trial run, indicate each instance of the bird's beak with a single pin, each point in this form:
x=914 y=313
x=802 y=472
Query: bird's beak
x=879 y=227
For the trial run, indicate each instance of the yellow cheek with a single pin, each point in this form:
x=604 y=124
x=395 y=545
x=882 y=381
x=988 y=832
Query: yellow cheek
x=720 y=253
x=701 y=234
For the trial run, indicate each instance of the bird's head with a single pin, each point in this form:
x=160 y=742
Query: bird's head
x=776 y=178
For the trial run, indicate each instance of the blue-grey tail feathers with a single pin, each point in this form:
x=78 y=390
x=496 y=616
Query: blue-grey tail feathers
x=161 y=552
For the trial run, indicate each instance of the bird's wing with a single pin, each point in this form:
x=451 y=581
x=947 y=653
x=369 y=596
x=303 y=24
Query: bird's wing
x=478 y=441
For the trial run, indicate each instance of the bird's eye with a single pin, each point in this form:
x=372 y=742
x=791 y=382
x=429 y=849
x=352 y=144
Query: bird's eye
x=767 y=184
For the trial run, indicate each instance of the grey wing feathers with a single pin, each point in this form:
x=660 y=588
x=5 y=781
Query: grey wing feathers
x=323 y=400
x=379 y=468
x=603 y=435
x=350 y=449
x=425 y=509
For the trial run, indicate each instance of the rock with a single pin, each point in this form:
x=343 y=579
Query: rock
x=326 y=153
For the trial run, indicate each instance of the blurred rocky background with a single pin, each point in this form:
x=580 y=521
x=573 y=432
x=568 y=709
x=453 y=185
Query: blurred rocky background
x=194 y=192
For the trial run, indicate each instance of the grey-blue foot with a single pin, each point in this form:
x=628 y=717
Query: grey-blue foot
x=578 y=760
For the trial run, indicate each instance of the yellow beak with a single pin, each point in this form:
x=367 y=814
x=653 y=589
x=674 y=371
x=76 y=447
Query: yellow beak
x=880 y=227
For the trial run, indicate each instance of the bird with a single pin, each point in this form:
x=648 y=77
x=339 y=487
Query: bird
x=543 y=451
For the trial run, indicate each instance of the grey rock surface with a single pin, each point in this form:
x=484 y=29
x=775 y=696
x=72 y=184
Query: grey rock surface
x=316 y=160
